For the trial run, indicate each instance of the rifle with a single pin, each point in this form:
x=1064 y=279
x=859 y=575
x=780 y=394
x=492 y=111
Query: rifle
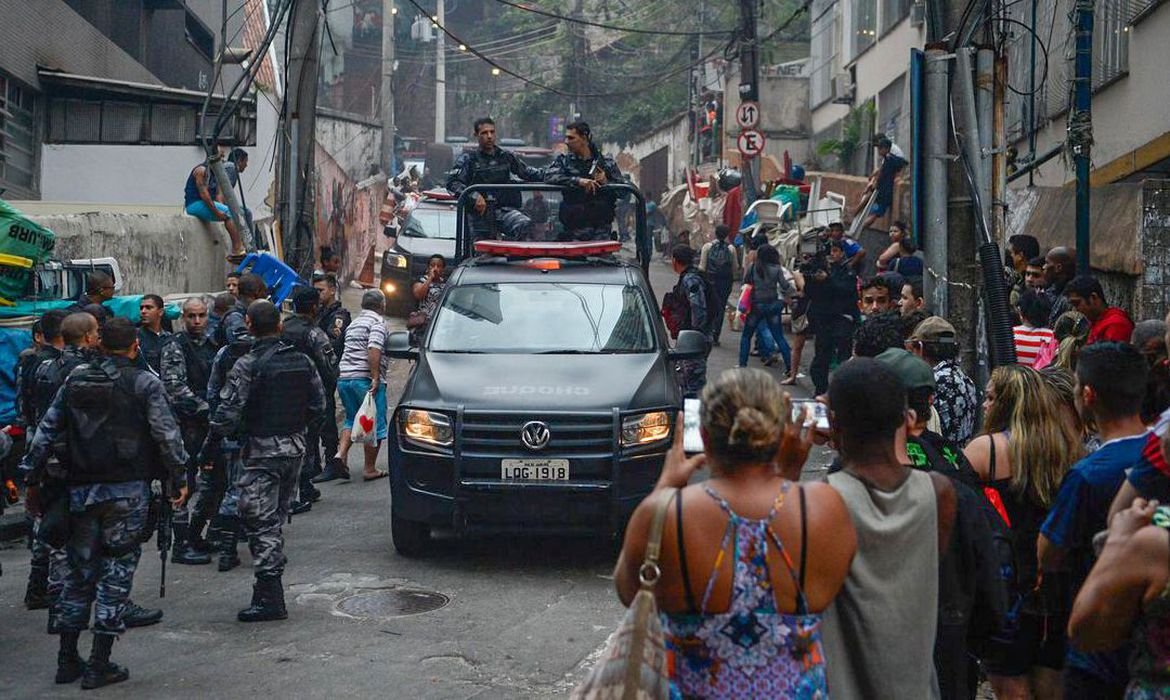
x=165 y=514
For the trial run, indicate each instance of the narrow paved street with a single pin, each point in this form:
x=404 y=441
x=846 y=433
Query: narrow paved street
x=517 y=618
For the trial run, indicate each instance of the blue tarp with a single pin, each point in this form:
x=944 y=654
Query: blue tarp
x=14 y=340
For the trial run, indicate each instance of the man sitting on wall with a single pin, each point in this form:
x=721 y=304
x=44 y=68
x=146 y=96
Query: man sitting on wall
x=203 y=200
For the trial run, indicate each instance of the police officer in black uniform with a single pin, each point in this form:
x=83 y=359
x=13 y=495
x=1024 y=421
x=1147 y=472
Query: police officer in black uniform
x=491 y=165
x=232 y=326
x=586 y=212
x=302 y=333
x=185 y=367
x=273 y=395
x=334 y=319
x=114 y=423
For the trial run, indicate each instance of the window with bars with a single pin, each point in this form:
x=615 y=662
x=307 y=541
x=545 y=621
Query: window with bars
x=18 y=137
x=864 y=25
x=822 y=53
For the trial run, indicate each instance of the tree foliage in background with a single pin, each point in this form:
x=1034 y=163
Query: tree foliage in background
x=643 y=77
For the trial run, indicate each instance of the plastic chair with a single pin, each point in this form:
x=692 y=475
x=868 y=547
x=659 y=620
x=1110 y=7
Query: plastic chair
x=279 y=277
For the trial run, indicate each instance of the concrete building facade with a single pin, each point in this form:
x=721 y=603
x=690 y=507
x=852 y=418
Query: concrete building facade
x=859 y=57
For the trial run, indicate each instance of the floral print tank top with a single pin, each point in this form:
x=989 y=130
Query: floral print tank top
x=752 y=650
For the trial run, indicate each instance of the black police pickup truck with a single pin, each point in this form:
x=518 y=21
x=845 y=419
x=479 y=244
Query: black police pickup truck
x=542 y=398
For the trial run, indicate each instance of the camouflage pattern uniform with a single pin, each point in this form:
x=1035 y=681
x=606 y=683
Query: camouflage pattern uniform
x=185 y=367
x=49 y=565
x=315 y=344
x=107 y=519
x=692 y=374
x=271 y=462
x=334 y=320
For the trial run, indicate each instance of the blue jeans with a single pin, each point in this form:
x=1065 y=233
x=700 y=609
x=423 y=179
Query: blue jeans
x=764 y=320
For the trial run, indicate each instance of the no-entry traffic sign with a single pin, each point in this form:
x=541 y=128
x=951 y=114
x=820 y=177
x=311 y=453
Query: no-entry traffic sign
x=750 y=143
x=747 y=115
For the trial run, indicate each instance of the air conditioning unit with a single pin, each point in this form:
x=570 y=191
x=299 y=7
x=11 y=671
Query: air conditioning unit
x=843 y=89
x=917 y=14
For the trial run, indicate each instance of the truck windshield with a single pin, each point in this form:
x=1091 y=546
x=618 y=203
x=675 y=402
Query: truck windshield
x=533 y=318
x=425 y=222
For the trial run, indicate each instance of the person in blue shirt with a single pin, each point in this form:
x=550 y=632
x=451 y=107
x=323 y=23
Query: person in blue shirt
x=1111 y=380
x=854 y=253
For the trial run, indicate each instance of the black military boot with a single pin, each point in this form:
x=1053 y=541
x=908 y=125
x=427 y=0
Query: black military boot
x=53 y=624
x=299 y=506
x=100 y=671
x=70 y=666
x=195 y=534
x=267 y=601
x=36 y=596
x=183 y=552
x=137 y=616
x=229 y=555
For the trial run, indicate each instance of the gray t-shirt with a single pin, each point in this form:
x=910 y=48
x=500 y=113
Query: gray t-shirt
x=879 y=632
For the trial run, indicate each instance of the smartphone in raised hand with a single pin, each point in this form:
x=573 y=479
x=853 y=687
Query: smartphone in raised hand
x=692 y=438
x=820 y=412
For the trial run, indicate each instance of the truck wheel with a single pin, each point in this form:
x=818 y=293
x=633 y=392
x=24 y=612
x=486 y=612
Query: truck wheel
x=410 y=538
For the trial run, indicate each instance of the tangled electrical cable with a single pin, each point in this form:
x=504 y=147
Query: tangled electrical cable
x=600 y=25
x=1043 y=50
x=557 y=91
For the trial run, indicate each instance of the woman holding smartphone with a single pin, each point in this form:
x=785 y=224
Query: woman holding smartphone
x=747 y=542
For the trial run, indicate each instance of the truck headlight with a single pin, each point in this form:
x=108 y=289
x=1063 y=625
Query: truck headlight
x=396 y=260
x=426 y=427
x=645 y=428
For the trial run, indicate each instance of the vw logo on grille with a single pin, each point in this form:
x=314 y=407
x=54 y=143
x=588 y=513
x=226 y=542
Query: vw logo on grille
x=535 y=435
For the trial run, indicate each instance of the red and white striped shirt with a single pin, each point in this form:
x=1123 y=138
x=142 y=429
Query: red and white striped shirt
x=1029 y=341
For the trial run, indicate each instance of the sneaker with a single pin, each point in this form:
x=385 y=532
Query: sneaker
x=299 y=507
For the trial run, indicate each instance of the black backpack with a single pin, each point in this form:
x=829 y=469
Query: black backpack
x=719 y=264
x=715 y=306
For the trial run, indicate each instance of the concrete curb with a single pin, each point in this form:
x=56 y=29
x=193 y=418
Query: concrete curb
x=13 y=523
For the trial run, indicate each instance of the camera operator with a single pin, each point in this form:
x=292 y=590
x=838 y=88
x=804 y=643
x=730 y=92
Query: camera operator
x=831 y=287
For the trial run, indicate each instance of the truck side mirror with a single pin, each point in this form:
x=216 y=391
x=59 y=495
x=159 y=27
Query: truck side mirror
x=691 y=345
x=398 y=346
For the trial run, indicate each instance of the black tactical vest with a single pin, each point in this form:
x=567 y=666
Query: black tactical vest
x=50 y=376
x=198 y=359
x=279 y=395
x=107 y=430
x=494 y=170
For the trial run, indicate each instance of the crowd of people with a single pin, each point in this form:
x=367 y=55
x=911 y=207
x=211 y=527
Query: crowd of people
x=229 y=407
x=1025 y=512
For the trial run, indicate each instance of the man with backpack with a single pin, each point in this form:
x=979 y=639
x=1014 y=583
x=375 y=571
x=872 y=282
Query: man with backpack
x=691 y=305
x=718 y=260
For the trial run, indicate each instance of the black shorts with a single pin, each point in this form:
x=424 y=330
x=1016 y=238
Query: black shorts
x=1039 y=640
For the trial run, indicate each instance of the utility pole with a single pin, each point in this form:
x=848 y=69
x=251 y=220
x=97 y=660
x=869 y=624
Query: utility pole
x=389 y=15
x=297 y=231
x=749 y=87
x=936 y=138
x=1080 y=125
x=440 y=73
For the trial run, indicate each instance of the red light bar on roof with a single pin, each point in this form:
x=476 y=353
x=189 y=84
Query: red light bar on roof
x=438 y=194
x=538 y=249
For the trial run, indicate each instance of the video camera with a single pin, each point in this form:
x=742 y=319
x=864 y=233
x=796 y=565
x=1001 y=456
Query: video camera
x=813 y=252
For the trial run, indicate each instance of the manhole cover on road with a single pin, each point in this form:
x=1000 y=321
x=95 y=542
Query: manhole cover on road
x=394 y=602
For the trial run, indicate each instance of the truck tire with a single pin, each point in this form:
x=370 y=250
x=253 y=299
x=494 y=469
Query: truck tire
x=411 y=539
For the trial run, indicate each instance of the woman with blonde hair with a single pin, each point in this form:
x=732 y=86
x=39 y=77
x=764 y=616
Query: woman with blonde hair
x=1070 y=333
x=1029 y=441
x=753 y=546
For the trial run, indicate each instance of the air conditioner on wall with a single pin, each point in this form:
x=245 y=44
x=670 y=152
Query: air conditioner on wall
x=917 y=14
x=843 y=88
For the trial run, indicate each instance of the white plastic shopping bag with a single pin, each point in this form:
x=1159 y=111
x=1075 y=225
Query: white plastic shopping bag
x=365 y=422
